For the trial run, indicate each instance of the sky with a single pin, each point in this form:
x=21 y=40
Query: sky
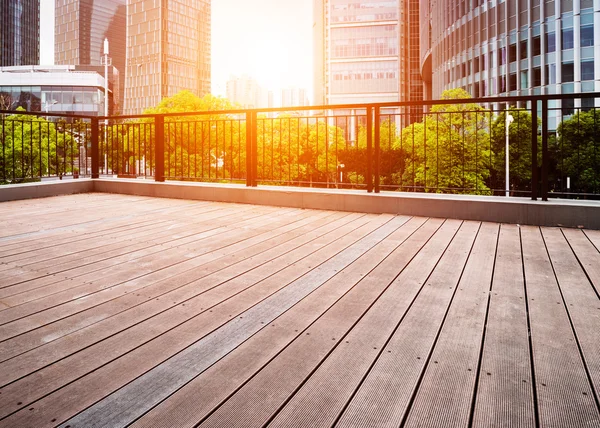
x=270 y=40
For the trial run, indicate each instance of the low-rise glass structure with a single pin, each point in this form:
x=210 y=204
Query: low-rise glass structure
x=54 y=89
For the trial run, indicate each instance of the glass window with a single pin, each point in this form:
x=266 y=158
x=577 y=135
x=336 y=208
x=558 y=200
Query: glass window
x=587 y=70
x=567 y=38
x=523 y=53
x=536 y=48
x=551 y=74
x=568 y=72
x=512 y=53
x=524 y=80
x=537 y=76
x=512 y=82
x=587 y=35
x=550 y=42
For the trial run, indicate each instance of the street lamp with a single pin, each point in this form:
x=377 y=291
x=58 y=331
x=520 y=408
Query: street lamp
x=508 y=120
x=49 y=103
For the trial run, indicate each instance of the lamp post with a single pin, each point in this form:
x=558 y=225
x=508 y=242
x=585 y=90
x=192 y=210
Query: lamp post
x=508 y=120
x=106 y=61
x=51 y=103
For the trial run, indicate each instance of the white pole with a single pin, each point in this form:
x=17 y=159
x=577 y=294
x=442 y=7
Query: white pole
x=508 y=121
x=106 y=79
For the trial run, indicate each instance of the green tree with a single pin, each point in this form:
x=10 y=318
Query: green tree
x=519 y=151
x=32 y=147
x=448 y=151
x=576 y=152
x=197 y=147
x=296 y=149
x=391 y=157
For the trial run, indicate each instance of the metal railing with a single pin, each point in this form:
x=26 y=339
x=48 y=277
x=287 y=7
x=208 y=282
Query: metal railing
x=453 y=146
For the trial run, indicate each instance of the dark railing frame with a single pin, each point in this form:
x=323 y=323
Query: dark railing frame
x=373 y=115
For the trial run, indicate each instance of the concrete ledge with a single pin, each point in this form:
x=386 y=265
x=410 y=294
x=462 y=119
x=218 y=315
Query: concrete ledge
x=568 y=213
x=13 y=192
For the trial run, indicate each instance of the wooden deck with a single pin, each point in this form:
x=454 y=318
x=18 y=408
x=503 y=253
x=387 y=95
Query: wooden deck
x=123 y=310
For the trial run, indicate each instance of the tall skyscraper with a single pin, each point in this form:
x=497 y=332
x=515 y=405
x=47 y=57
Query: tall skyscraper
x=411 y=84
x=356 y=46
x=19 y=32
x=510 y=47
x=79 y=32
x=168 y=50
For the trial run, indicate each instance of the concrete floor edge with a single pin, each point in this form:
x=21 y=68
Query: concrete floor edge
x=494 y=209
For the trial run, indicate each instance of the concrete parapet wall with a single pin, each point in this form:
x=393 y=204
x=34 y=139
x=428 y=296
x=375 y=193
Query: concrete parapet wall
x=14 y=192
x=568 y=213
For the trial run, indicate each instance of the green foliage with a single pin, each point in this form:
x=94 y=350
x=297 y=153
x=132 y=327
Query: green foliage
x=520 y=158
x=391 y=156
x=31 y=147
x=294 y=149
x=449 y=149
x=576 y=151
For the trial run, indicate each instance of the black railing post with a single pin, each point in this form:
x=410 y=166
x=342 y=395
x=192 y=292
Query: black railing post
x=377 y=171
x=545 y=157
x=369 y=175
x=95 y=148
x=534 y=151
x=159 y=148
x=248 y=149
x=254 y=141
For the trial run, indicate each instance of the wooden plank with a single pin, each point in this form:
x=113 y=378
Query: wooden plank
x=77 y=265
x=259 y=399
x=560 y=376
x=89 y=230
x=355 y=287
x=33 y=224
x=270 y=294
x=445 y=394
x=321 y=400
x=384 y=394
x=587 y=254
x=133 y=400
x=131 y=309
x=34 y=314
x=506 y=396
x=55 y=250
x=581 y=301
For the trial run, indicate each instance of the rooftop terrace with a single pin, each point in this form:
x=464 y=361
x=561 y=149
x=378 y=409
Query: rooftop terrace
x=171 y=312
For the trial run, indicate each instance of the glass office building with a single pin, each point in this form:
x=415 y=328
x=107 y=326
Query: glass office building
x=52 y=89
x=511 y=48
x=19 y=32
x=80 y=29
x=168 y=50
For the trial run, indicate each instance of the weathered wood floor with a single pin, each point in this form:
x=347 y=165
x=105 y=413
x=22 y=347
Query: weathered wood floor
x=120 y=310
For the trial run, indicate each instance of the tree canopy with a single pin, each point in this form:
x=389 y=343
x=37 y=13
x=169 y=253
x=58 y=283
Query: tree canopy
x=449 y=149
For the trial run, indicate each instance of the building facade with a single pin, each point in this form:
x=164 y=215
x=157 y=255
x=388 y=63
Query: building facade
x=52 y=89
x=19 y=32
x=168 y=50
x=294 y=97
x=508 y=47
x=356 y=47
x=80 y=29
x=245 y=91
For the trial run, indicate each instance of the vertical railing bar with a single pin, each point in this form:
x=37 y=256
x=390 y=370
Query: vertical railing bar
x=377 y=137
x=534 y=151
x=95 y=152
x=369 y=177
x=159 y=148
x=545 y=157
